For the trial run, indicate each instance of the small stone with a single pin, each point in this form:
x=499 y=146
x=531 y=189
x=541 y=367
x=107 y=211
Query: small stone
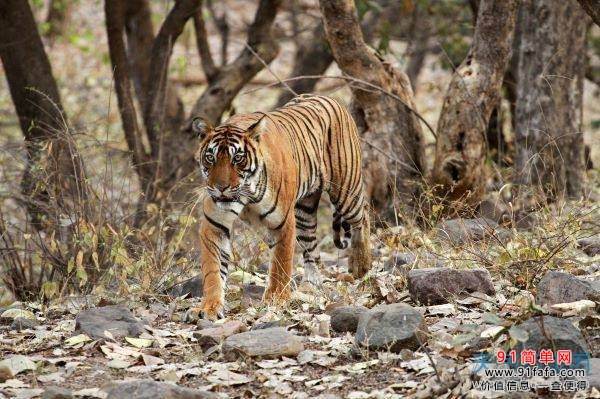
x=21 y=323
x=269 y=324
x=345 y=318
x=492 y=207
x=557 y=287
x=391 y=327
x=252 y=295
x=148 y=389
x=57 y=393
x=212 y=336
x=434 y=286
x=554 y=333
x=204 y=323
x=590 y=245
x=462 y=231
x=191 y=287
x=118 y=320
x=269 y=342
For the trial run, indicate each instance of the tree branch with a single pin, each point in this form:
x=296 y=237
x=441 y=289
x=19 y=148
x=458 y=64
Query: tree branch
x=592 y=7
x=218 y=96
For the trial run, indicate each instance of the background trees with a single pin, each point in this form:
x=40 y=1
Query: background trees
x=501 y=82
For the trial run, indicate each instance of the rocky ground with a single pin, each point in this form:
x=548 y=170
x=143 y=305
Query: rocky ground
x=413 y=327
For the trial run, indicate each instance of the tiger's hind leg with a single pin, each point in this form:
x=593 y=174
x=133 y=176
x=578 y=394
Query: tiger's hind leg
x=306 y=227
x=360 y=254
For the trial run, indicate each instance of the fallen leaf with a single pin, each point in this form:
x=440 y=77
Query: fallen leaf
x=18 y=363
x=77 y=340
x=228 y=378
x=118 y=364
x=139 y=342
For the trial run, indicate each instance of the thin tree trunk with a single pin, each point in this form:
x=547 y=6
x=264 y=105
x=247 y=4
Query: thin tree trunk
x=550 y=150
x=391 y=133
x=474 y=91
x=59 y=17
x=54 y=172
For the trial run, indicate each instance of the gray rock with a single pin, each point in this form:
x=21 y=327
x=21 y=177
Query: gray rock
x=433 y=286
x=594 y=376
x=557 y=287
x=590 y=245
x=21 y=323
x=345 y=318
x=191 y=287
x=462 y=231
x=391 y=327
x=57 y=393
x=547 y=332
x=269 y=342
x=493 y=208
x=269 y=324
x=148 y=389
x=263 y=268
x=117 y=319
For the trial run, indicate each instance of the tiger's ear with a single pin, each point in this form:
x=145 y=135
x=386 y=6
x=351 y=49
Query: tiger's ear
x=258 y=128
x=200 y=127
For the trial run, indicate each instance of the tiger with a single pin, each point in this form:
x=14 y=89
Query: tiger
x=269 y=169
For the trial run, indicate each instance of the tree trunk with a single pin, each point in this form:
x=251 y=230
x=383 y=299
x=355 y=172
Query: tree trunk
x=390 y=132
x=313 y=57
x=54 y=174
x=550 y=150
x=420 y=31
x=472 y=95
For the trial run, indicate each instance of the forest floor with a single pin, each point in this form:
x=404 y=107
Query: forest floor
x=471 y=286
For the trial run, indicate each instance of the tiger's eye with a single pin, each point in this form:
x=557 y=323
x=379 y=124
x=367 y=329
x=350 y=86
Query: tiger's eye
x=238 y=158
x=210 y=158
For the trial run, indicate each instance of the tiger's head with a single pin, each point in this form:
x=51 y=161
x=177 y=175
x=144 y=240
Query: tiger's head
x=230 y=159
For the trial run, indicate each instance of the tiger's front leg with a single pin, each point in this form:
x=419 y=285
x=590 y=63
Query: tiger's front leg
x=215 y=257
x=279 y=290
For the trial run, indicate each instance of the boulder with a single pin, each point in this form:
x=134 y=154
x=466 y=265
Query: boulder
x=391 y=327
x=557 y=287
x=148 y=389
x=268 y=342
x=547 y=332
x=433 y=286
x=117 y=319
x=345 y=318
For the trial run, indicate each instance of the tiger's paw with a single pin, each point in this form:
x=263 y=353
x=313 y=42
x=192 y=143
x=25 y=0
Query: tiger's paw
x=359 y=264
x=211 y=309
x=277 y=297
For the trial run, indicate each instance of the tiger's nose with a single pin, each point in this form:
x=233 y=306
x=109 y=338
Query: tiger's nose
x=221 y=187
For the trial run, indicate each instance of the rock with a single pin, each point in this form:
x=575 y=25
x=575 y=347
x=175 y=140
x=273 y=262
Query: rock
x=269 y=342
x=21 y=323
x=148 y=389
x=391 y=327
x=57 y=393
x=118 y=320
x=204 y=323
x=492 y=207
x=547 y=332
x=212 y=336
x=345 y=318
x=590 y=245
x=557 y=287
x=594 y=375
x=433 y=286
x=263 y=268
x=462 y=231
x=252 y=295
x=191 y=287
